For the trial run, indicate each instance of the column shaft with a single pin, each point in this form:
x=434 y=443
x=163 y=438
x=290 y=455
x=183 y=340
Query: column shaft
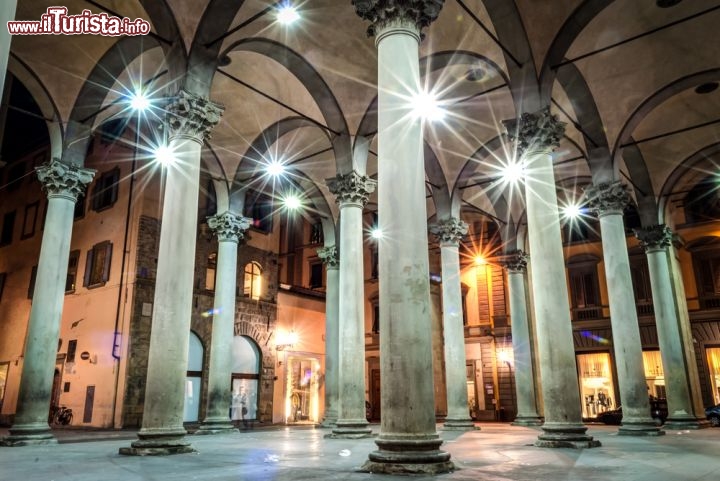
x=332 y=346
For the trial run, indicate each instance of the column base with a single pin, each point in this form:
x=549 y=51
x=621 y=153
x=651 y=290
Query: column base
x=29 y=435
x=350 y=429
x=460 y=425
x=642 y=427
x=684 y=423
x=159 y=443
x=527 y=421
x=412 y=455
x=558 y=435
x=216 y=427
x=328 y=423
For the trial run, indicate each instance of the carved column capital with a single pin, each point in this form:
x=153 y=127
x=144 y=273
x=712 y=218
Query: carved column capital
x=329 y=256
x=351 y=188
x=516 y=262
x=607 y=198
x=535 y=131
x=449 y=231
x=64 y=180
x=192 y=117
x=229 y=227
x=654 y=238
x=382 y=13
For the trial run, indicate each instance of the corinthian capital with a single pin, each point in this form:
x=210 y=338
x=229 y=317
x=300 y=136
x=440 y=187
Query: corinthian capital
x=607 y=198
x=352 y=188
x=192 y=117
x=654 y=237
x=229 y=227
x=329 y=256
x=64 y=180
x=449 y=231
x=381 y=13
x=537 y=131
x=516 y=261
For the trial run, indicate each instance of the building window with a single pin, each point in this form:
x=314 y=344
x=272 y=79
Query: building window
x=707 y=276
x=252 y=283
x=316 y=274
x=106 y=190
x=79 y=206
x=261 y=211
x=316 y=233
x=464 y=289
x=596 y=384
x=31 y=286
x=8 y=226
x=97 y=265
x=71 y=278
x=31 y=212
x=3 y=276
x=72 y=347
x=211 y=272
x=713 y=359
x=654 y=374
x=641 y=285
x=374 y=259
x=584 y=292
x=375 y=303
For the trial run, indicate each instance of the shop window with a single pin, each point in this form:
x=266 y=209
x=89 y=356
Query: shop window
x=302 y=401
x=97 y=265
x=31 y=286
x=584 y=291
x=641 y=285
x=106 y=190
x=654 y=374
x=4 y=368
x=31 y=213
x=252 y=281
x=8 y=226
x=211 y=272
x=596 y=385
x=245 y=376
x=712 y=355
x=71 y=279
x=316 y=274
x=260 y=210
x=316 y=233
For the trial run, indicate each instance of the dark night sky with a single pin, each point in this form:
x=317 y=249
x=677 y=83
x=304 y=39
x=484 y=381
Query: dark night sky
x=23 y=133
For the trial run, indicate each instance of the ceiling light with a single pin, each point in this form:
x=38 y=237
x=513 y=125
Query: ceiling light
x=706 y=88
x=292 y=202
x=138 y=101
x=426 y=106
x=287 y=14
x=571 y=211
x=480 y=260
x=165 y=155
x=275 y=168
x=513 y=171
x=376 y=233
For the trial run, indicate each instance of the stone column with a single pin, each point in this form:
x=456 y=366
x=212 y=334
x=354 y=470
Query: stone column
x=329 y=256
x=352 y=192
x=537 y=134
x=230 y=229
x=527 y=415
x=608 y=201
x=408 y=441
x=63 y=184
x=190 y=119
x=676 y=364
x=449 y=232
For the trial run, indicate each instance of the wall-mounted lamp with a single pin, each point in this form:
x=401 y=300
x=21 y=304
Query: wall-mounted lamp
x=286 y=340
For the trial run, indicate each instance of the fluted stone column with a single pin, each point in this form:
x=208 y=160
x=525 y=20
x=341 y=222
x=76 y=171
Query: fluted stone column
x=352 y=192
x=608 y=201
x=63 y=184
x=537 y=134
x=408 y=442
x=676 y=364
x=527 y=415
x=329 y=256
x=230 y=229
x=190 y=119
x=449 y=232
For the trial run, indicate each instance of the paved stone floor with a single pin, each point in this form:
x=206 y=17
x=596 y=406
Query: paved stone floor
x=497 y=452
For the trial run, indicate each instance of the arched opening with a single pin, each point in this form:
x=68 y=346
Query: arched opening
x=245 y=379
x=193 y=380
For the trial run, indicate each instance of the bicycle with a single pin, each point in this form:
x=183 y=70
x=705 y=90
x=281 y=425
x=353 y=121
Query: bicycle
x=61 y=415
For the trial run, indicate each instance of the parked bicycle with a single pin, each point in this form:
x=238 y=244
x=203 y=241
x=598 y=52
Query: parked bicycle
x=61 y=415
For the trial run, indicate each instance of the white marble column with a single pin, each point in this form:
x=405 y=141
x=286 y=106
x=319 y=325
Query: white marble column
x=230 y=229
x=676 y=364
x=527 y=415
x=449 y=233
x=408 y=441
x=608 y=202
x=63 y=184
x=329 y=256
x=537 y=134
x=190 y=119
x=352 y=192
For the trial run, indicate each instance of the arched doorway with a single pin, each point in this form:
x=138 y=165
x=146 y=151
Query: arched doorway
x=245 y=379
x=193 y=380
